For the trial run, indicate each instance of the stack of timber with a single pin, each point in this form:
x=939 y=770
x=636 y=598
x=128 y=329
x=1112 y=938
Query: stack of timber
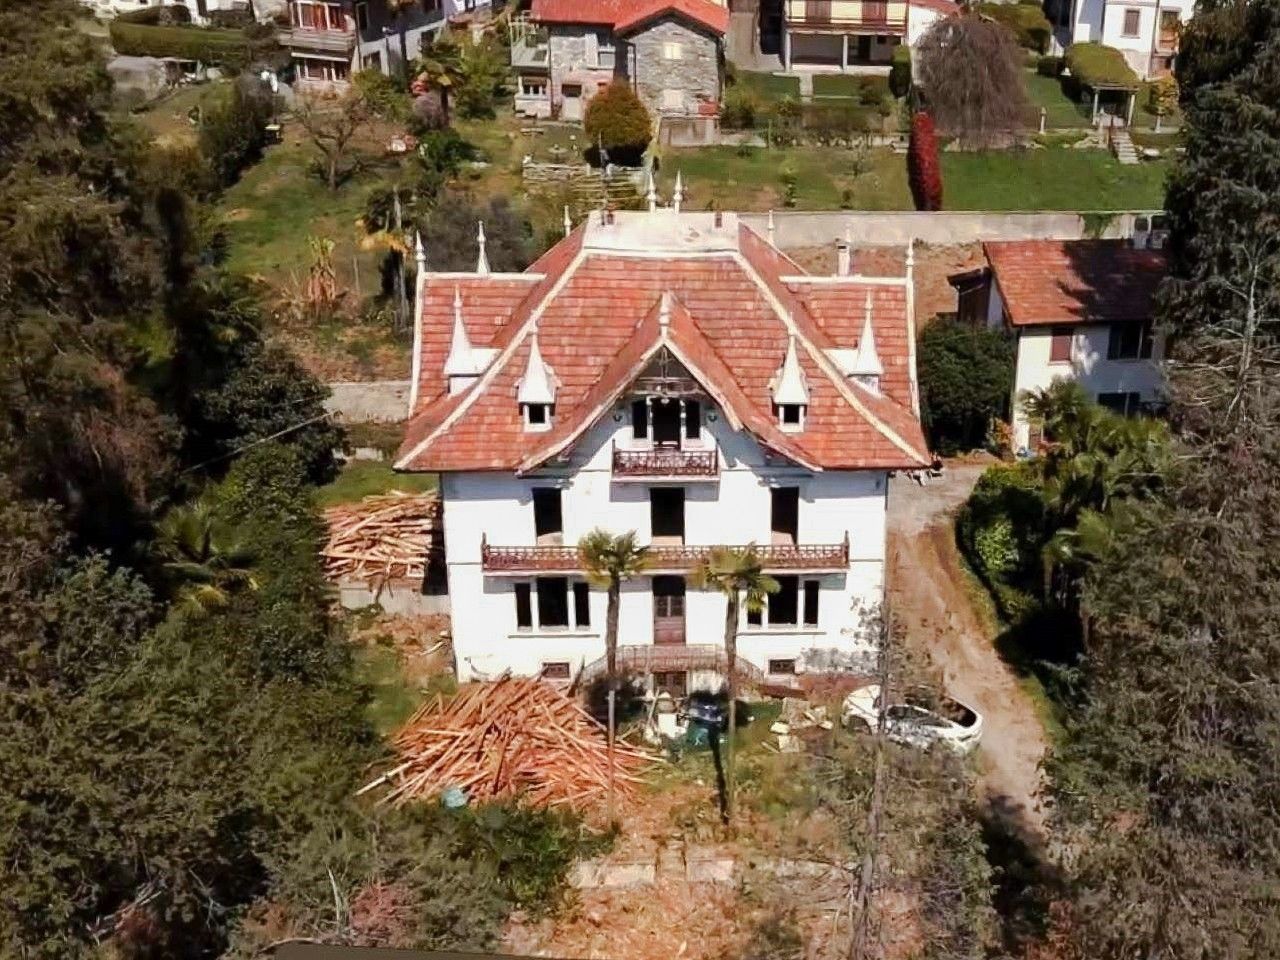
x=513 y=738
x=386 y=537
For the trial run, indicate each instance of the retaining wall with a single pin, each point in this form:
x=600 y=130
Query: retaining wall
x=371 y=401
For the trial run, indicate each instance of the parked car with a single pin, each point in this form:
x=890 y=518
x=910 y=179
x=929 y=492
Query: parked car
x=917 y=721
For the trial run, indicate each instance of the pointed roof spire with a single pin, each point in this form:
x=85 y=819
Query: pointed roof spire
x=651 y=192
x=771 y=230
x=482 y=260
x=790 y=386
x=419 y=252
x=867 y=361
x=568 y=223
x=462 y=360
x=538 y=385
x=677 y=198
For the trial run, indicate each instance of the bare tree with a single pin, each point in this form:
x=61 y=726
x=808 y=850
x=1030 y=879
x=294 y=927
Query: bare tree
x=970 y=70
x=332 y=122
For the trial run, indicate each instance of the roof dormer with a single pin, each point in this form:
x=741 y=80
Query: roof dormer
x=536 y=392
x=790 y=391
x=464 y=363
x=866 y=367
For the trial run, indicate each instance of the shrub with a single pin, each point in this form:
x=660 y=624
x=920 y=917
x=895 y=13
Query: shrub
x=618 y=121
x=740 y=108
x=830 y=122
x=900 y=71
x=871 y=90
x=482 y=68
x=923 y=168
x=1049 y=66
x=1001 y=531
x=965 y=382
x=230 y=48
x=384 y=94
x=1162 y=96
x=1027 y=21
x=790 y=185
x=233 y=130
x=174 y=13
x=1094 y=64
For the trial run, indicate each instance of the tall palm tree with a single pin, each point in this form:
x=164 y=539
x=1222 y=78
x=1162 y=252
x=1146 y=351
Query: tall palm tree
x=441 y=68
x=205 y=559
x=739 y=574
x=609 y=560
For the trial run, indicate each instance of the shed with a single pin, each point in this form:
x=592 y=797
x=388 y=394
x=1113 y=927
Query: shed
x=1102 y=69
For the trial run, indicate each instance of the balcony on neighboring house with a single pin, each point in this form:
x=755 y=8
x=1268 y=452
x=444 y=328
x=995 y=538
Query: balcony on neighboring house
x=666 y=558
x=852 y=16
x=319 y=27
x=529 y=43
x=665 y=463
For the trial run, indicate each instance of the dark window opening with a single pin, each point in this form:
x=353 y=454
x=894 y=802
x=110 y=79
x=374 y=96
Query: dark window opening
x=666 y=514
x=790 y=414
x=754 y=617
x=524 y=606
x=556 y=670
x=582 y=604
x=782 y=666
x=553 y=602
x=811 y=603
x=639 y=419
x=692 y=419
x=674 y=683
x=362 y=16
x=548 y=518
x=666 y=422
x=537 y=413
x=1060 y=344
x=1129 y=341
x=783 y=604
x=784 y=521
x=1124 y=403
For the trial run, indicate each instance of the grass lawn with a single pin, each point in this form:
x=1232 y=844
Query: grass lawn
x=1049 y=179
x=767 y=86
x=364 y=478
x=1060 y=110
x=393 y=698
x=836 y=85
x=166 y=118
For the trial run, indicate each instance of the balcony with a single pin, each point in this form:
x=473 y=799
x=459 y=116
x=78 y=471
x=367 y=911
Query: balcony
x=321 y=41
x=777 y=558
x=665 y=463
x=853 y=16
x=674 y=657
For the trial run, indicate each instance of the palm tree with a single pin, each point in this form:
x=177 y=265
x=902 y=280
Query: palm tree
x=441 y=68
x=609 y=560
x=205 y=559
x=739 y=574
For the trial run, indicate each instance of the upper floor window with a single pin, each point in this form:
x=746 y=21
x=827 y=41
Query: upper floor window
x=791 y=415
x=672 y=51
x=362 y=17
x=1060 y=344
x=537 y=416
x=1129 y=341
x=666 y=422
x=606 y=51
x=553 y=603
x=310 y=15
x=1132 y=21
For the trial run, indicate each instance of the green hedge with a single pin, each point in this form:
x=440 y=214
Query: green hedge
x=1028 y=23
x=900 y=71
x=230 y=48
x=172 y=13
x=1000 y=531
x=1095 y=65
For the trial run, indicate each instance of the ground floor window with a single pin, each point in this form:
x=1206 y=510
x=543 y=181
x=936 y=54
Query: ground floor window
x=782 y=666
x=533 y=87
x=1122 y=402
x=795 y=604
x=674 y=683
x=552 y=603
x=556 y=670
x=329 y=71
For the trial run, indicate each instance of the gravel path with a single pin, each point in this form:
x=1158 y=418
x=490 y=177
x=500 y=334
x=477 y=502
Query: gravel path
x=930 y=599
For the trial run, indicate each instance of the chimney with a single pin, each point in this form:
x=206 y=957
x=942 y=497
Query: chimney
x=719 y=219
x=844 y=261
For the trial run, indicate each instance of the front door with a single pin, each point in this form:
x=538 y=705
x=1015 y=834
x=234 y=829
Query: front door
x=668 y=609
x=666 y=422
x=571 y=101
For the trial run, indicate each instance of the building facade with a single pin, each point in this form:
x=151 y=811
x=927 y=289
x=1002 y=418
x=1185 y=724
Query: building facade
x=853 y=35
x=674 y=375
x=1145 y=31
x=671 y=52
x=1080 y=310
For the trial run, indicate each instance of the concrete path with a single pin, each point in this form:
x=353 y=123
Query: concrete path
x=930 y=598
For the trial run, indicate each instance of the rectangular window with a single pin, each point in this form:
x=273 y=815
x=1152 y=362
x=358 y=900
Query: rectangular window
x=1129 y=341
x=811 y=603
x=524 y=606
x=665 y=414
x=790 y=414
x=1060 y=344
x=672 y=99
x=606 y=54
x=553 y=601
x=784 y=517
x=581 y=604
x=1124 y=403
x=1132 y=20
x=548 y=518
x=639 y=420
x=362 y=17
x=666 y=514
x=672 y=51
x=536 y=413
x=782 y=666
x=533 y=87
x=341 y=70
x=556 y=670
x=754 y=618
x=692 y=419
x=674 y=683
x=783 y=604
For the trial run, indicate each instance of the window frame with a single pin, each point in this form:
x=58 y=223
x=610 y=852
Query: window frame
x=1136 y=14
x=811 y=596
x=783 y=667
x=672 y=50
x=788 y=596
x=529 y=609
x=606 y=43
x=527 y=83
x=1059 y=335
x=1128 y=341
x=556 y=670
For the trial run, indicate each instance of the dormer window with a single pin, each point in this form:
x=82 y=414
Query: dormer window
x=537 y=416
x=791 y=415
x=790 y=390
x=536 y=393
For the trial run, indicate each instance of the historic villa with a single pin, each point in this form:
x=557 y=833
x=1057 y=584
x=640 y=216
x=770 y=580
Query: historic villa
x=676 y=375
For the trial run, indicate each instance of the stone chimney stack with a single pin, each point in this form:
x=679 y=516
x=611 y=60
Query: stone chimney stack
x=844 y=259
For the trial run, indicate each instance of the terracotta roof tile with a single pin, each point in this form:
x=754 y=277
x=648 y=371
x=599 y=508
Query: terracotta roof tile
x=1066 y=281
x=623 y=15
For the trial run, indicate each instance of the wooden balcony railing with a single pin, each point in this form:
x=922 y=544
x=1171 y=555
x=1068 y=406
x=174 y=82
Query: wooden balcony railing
x=326 y=41
x=665 y=462
x=777 y=558
x=674 y=656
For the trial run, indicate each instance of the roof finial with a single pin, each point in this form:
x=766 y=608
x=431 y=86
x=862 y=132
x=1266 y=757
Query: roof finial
x=866 y=364
x=419 y=251
x=482 y=260
x=651 y=193
x=770 y=229
x=678 y=197
x=911 y=255
x=568 y=223
x=664 y=311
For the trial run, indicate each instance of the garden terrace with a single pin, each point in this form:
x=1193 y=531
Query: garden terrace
x=809 y=558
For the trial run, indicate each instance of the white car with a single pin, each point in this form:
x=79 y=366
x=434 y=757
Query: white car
x=915 y=722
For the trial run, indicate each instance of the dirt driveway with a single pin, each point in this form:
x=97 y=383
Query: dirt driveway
x=929 y=597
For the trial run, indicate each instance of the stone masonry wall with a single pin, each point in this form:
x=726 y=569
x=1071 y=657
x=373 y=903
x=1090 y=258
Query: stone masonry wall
x=567 y=48
x=696 y=73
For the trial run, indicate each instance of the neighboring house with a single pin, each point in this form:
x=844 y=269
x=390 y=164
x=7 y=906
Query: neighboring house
x=670 y=51
x=1080 y=310
x=1145 y=31
x=675 y=375
x=330 y=39
x=199 y=9
x=853 y=34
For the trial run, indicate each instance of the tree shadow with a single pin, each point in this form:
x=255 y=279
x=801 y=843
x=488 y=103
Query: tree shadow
x=722 y=790
x=1026 y=882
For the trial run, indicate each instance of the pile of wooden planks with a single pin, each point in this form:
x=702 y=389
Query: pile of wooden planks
x=384 y=537
x=514 y=737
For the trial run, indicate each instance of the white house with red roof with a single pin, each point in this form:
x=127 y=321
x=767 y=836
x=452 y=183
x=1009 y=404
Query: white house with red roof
x=1080 y=310
x=675 y=375
x=670 y=51
x=850 y=35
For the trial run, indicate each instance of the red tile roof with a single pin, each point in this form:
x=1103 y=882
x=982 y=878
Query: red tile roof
x=625 y=15
x=595 y=309
x=1075 y=281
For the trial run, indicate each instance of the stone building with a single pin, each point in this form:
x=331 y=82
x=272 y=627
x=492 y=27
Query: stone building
x=670 y=51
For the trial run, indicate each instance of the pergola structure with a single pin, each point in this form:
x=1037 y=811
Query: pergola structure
x=1101 y=69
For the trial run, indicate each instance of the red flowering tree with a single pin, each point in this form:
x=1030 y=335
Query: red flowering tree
x=923 y=168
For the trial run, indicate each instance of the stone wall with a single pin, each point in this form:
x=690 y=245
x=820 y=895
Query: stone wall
x=572 y=58
x=696 y=73
x=353 y=401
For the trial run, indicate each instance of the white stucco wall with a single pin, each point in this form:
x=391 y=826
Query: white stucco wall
x=919 y=19
x=1088 y=365
x=734 y=510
